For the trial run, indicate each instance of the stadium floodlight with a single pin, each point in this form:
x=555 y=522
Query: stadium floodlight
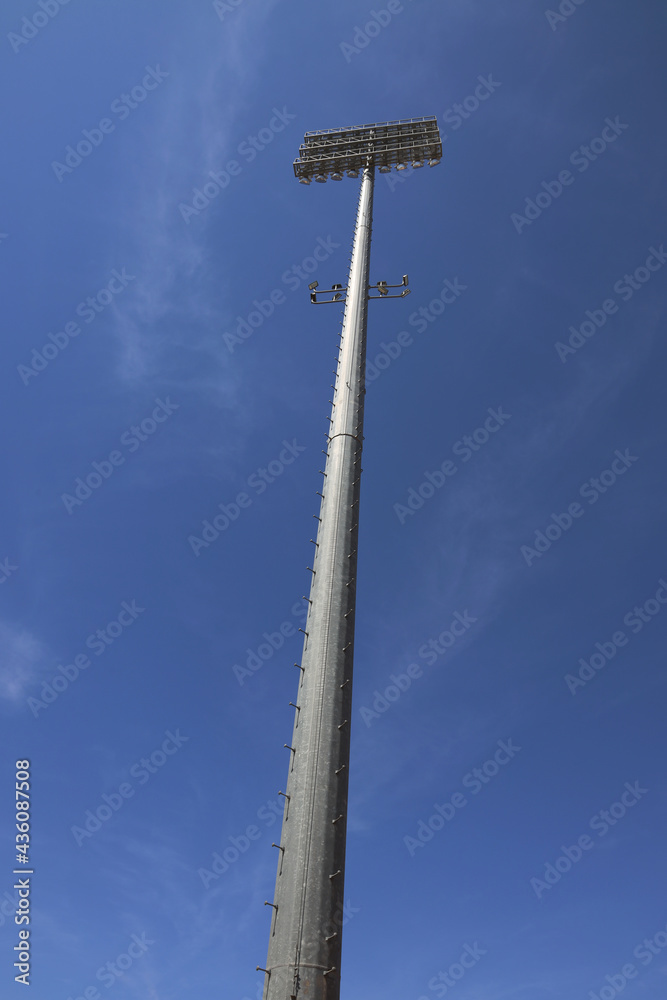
x=305 y=943
x=387 y=143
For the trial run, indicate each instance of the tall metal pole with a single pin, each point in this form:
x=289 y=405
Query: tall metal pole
x=306 y=929
x=307 y=910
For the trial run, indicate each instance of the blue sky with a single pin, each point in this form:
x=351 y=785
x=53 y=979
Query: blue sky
x=542 y=535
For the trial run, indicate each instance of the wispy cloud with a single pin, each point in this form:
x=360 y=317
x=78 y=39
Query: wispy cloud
x=175 y=305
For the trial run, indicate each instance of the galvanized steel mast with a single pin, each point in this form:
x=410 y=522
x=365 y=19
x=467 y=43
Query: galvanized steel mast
x=304 y=956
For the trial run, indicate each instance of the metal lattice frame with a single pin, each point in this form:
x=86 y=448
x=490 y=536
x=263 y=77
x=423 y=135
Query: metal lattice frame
x=333 y=152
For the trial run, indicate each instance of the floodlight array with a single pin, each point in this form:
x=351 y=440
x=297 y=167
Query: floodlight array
x=331 y=153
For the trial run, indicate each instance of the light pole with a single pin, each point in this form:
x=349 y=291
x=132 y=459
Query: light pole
x=304 y=954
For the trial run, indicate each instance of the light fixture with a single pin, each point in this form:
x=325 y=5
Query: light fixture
x=304 y=180
x=313 y=284
x=335 y=153
x=434 y=162
x=417 y=163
